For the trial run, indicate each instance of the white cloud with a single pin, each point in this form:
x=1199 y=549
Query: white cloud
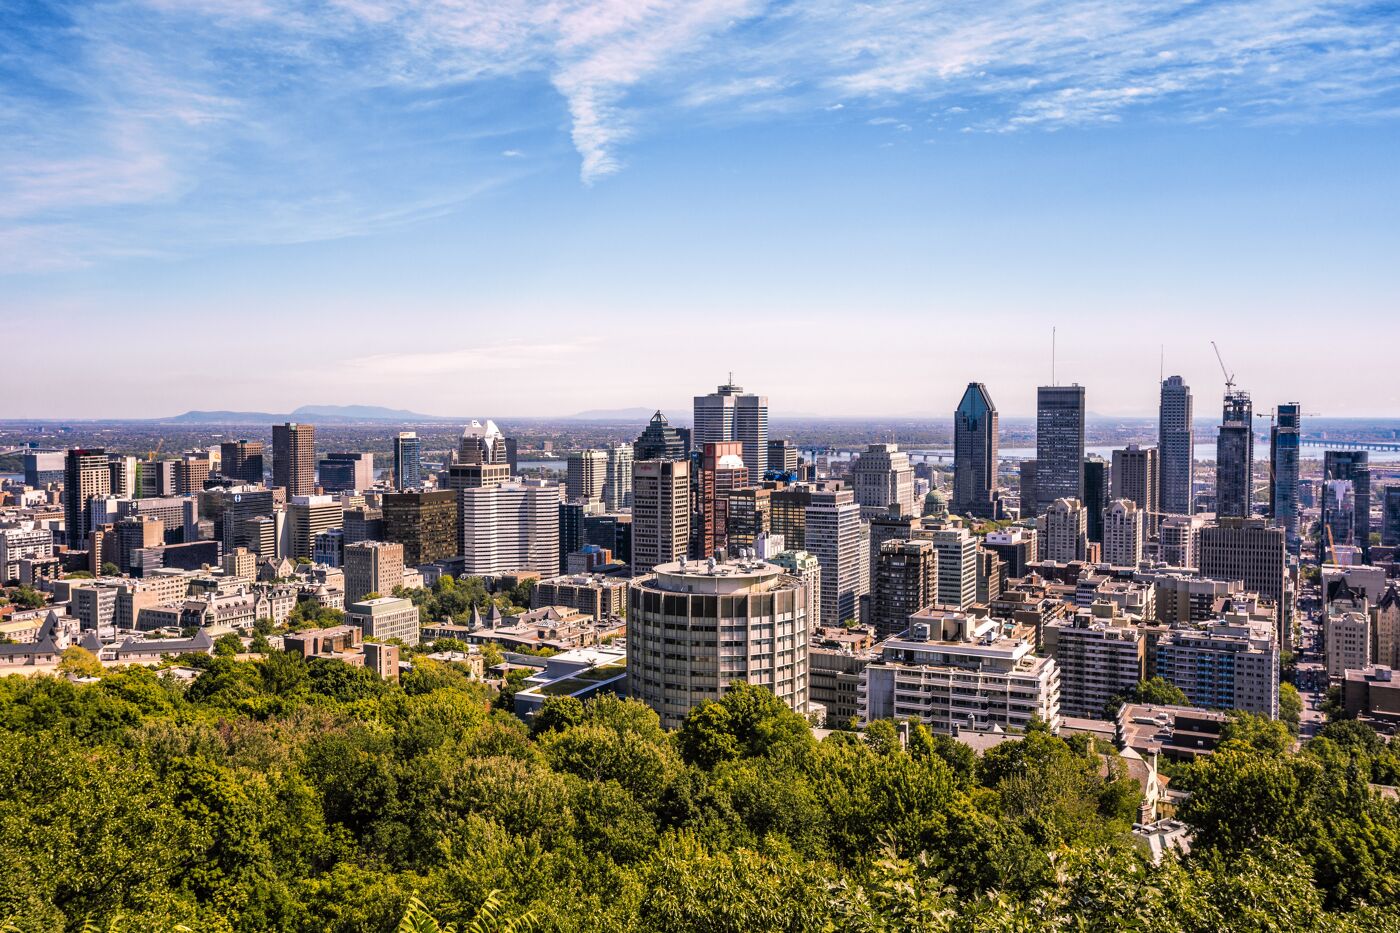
x=141 y=102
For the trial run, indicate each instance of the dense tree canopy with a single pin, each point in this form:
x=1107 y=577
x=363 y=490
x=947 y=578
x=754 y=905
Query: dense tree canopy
x=283 y=795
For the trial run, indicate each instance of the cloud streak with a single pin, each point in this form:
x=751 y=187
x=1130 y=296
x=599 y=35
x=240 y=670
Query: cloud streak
x=246 y=109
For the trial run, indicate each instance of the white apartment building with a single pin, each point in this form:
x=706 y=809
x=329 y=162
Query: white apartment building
x=513 y=526
x=952 y=672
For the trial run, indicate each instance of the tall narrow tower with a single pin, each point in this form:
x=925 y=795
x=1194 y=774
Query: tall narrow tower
x=727 y=414
x=1176 y=449
x=1234 y=457
x=975 y=426
x=1284 y=441
x=1059 y=444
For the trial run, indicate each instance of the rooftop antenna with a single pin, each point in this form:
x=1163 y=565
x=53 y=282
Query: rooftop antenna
x=1162 y=365
x=1052 y=356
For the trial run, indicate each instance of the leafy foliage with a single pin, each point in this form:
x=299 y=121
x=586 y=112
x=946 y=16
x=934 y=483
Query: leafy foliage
x=285 y=795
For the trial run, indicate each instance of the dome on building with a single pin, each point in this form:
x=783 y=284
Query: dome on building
x=935 y=503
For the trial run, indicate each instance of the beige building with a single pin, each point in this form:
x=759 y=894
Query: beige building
x=660 y=513
x=385 y=618
x=598 y=596
x=1123 y=533
x=1348 y=639
x=587 y=472
x=1098 y=658
x=372 y=567
x=1063 y=531
x=307 y=517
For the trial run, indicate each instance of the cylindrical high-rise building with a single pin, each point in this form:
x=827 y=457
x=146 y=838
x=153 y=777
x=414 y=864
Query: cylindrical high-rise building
x=692 y=628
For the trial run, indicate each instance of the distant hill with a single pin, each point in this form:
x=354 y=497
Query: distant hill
x=614 y=414
x=322 y=413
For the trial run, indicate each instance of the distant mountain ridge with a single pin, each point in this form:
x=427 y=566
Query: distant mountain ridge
x=323 y=413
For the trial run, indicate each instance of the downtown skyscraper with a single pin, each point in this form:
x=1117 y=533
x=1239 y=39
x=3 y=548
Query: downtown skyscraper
x=1284 y=440
x=1234 y=457
x=1346 y=501
x=1176 y=449
x=1059 y=444
x=975 y=433
x=727 y=414
x=408 y=461
x=294 y=458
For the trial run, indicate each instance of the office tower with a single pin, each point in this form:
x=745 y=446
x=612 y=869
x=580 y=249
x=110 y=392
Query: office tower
x=617 y=480
x=905 y=581
x=134 y=533
x=1390 y=516
x=1234 y=458
x=727 y=414
x=1135 y=477
x=1059 y=444
x=408 y=461
x=722 y=471
x=957 y=565
x=1227 y=664
x=610 y=531
x=42 y=467
x=1063 y=531
x=476 y=475
x=674 y=660
x=242 y=461
x=1346 y=501
x=364 y=524
x=157 y=478
x=833 y=534
x=294 y=458
x=307 y=517
x=573 y=528
x=1177 y=536
x=346 y=472
x=660 y=512
x=483 y=443
x=510 y=527
x=1098 y=486
x=372 y=567
x=85 y=474
x=660 y=441
x=1098 y=658
x=750 y=516
x=1284 y=440
x=424 y=522
x=782 y=456
x=587 y=472
x=789 y=517
x=1027 y=489
x=1176 y=449
x=1123 y=532
x=882 y=480
x=1016 y=546
x=887 y=527
x=975 y=439
x=123 y=481
x=513 y=455
x=952 y=672
x=1253 y=551
x=991 y=576
x=191 y=471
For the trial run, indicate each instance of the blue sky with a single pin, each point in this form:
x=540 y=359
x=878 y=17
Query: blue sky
x=536 y=208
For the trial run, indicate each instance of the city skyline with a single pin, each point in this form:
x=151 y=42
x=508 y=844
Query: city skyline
x=439 y=197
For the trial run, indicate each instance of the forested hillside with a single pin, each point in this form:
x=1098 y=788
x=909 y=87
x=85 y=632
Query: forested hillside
x=287 y=796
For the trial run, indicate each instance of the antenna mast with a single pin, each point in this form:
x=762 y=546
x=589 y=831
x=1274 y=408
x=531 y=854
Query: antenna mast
x=1052 y=356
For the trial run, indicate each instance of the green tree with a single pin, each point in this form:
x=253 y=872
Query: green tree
x=746 y=722
x=228 y=645
x=110 y=569
x=1290 y=706
x=76 y=661
x=1157 y=691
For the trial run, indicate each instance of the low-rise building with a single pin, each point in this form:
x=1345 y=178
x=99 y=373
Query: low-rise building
x=598 y=596
x=582 y=673
x=384 y=618
x=1372 y=691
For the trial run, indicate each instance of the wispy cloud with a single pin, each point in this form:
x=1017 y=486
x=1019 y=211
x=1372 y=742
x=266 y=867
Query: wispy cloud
x=246 y=109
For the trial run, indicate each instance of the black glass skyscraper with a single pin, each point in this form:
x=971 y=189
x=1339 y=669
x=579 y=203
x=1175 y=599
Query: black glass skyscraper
x=1284 y=440
x=1097 y=482
x=1234 y=458
x=1059 y=444
x=975 y=454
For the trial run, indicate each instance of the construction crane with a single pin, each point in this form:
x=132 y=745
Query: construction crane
x=159 y=445
x=1229 y=376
